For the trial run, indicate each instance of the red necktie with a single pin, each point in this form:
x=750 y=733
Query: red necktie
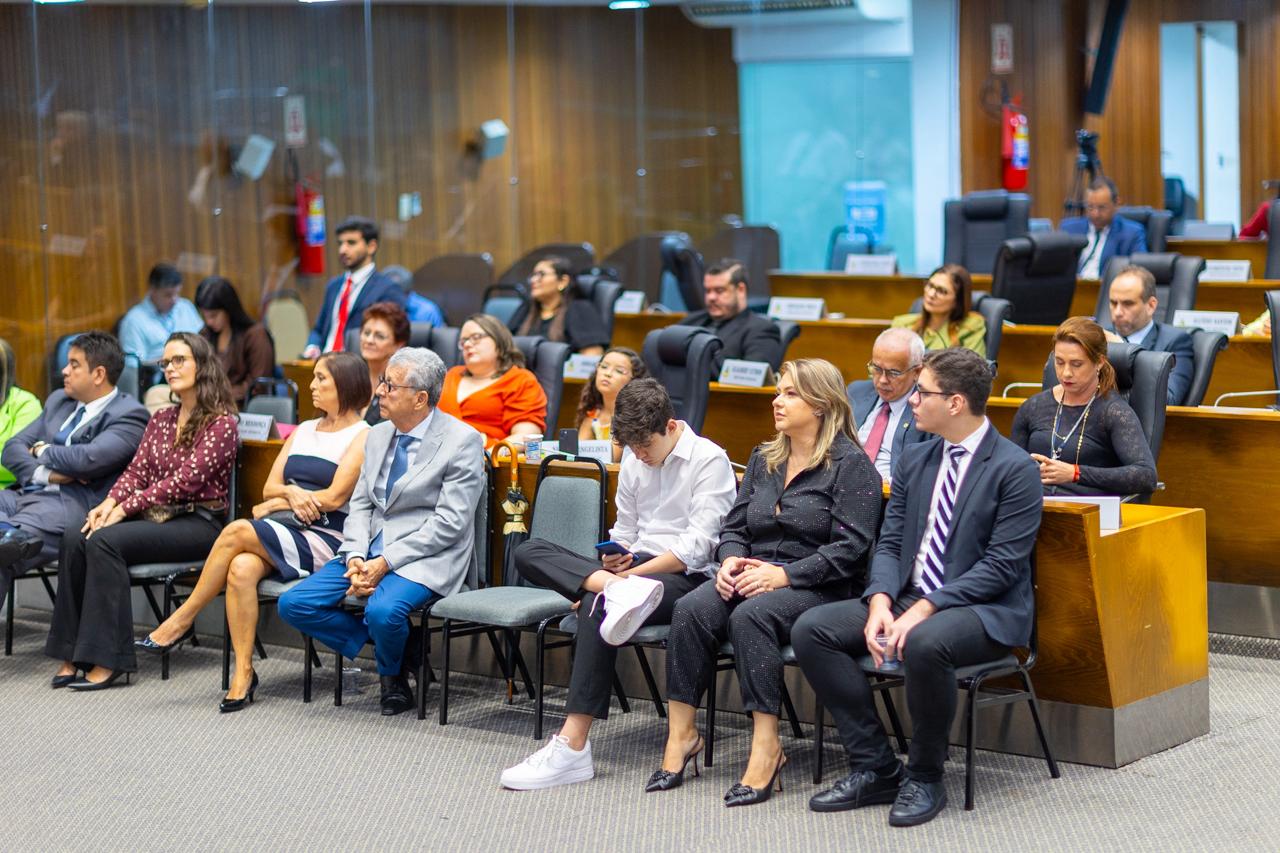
x=876 y=438
x=344 y=309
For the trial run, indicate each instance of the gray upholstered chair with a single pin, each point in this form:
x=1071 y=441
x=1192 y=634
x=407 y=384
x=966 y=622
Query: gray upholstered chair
x=680 y=357
x=1206 y=346
x=504 y=300
x=1037 y=275
x=975 y=226
x=1156 y=223
x=546 y=359
x=683 y=264
x=602 y=292
x=1177 y=280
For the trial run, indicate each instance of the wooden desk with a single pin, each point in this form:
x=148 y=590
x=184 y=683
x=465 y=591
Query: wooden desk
x=252 y=468
x=1253 y=251
x=300 y=372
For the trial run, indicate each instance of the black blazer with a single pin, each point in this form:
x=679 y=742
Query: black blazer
x=987 y=565
x=825 y=521
x=582 y=325
x=746 y=335
x=97 y=453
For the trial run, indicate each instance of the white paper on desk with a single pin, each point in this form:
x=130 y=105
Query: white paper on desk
x=629 y=302
x=871 y=264
x=747 y=374
x=1227 y=322
x=1108 y=507
x=256 y=427
x=596 y=449
x=1225 y=270
x=581 y=366
x=796 y=308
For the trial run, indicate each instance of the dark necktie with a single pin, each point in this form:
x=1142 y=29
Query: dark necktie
x=70 y=427
x=931 y=577
x=399 y=464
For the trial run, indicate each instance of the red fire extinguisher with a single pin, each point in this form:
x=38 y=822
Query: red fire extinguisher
x=1015 y=145
x=311 y=228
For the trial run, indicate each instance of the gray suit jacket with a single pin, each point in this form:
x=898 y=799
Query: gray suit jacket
x=97 y=454
x=428 y=520
x=863 y=397
x=987 y=564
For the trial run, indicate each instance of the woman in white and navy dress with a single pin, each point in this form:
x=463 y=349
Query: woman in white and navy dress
x=296 y=528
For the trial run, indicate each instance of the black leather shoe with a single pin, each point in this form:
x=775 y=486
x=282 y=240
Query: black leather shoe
x=859 y=788
x=665 y=780
x=84 y=683
x=745 y=795
x=18 y=545
x=397 y=697
x=917 y=803
x=229 y=705
x=150 y=646
x=64 y=680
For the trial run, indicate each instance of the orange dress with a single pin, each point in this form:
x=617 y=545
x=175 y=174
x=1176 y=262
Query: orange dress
x=493 y=410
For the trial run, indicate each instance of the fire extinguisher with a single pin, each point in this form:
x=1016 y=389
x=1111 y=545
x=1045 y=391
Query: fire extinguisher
x=1015 y=144
x=311 y=228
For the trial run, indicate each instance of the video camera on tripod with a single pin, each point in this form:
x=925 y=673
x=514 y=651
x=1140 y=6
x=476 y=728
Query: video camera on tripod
x=1088 y=167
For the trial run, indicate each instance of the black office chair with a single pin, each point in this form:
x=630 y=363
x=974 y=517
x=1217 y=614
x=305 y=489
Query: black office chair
x=1273 y=244
x=546 y=359
x=602 y=293
x=504 y=300
x=842 y=244
x=684 y=264
x=1206 y=346
x=1272 y=298
x=456 y=282
x=1037 y=274
x=581 y=256
x=788 y=330
x=994 y=311
x=975 y=226
x=759 y=247
x=680 y=357
x=1156 y=223
x=638 y=263
x=1180 y=203
x=1177 y=279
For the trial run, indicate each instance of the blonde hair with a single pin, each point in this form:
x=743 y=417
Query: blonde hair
x=819 y=383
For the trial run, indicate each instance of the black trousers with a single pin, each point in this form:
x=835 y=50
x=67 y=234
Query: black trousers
x=591 y=681
x=758 y=628
x=829 y=639
x=93 y=616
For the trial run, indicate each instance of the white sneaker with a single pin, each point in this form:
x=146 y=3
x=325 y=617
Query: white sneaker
x=555 y=764
x=627 y=603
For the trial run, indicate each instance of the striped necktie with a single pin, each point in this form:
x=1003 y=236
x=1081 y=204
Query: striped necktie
x=931 y=577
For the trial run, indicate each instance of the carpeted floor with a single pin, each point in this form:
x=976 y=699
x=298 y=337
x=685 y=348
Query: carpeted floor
x=154 y=766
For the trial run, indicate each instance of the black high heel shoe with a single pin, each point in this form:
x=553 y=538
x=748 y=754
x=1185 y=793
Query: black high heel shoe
x=229 y=705
x=665 y=780
x=745 y=795
x=64 y=680
x=147 y=644
x=85 y=684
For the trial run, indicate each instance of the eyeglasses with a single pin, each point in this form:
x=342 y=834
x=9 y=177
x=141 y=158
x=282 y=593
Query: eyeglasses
x=937 y=289
x=471 y=339
x=391 y=386
x=613 y=371
x=536 y=274
x=923 y=393
x=178 y=361
x=874 y=370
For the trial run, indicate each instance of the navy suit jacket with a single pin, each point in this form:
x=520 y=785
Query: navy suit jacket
x=1124 y=238
x=97 y=454
x=378 y=288
x=987 y=564
x=1166 y=338
x=863 y=398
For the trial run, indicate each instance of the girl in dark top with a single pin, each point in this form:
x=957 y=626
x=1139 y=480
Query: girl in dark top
x=554 y=314
x=798 y=535
x=244 y=347
x=167 y=507
x=1084 y=435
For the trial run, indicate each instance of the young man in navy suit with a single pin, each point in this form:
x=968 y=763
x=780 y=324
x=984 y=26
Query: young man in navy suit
x=950 y=586
x=346 y=296
x=1133 y=306
x=1109 y=235
x=880 y=404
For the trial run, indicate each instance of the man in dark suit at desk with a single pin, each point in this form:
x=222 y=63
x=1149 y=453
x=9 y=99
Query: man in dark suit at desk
x=67 y=459
x=746 y=335
x=346 y=297
x=950 y=586
x=880 y=404
x=1133 y=306
x=1109 y=235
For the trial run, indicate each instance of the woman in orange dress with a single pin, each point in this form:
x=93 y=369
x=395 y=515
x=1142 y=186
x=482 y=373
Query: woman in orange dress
x=491 y=390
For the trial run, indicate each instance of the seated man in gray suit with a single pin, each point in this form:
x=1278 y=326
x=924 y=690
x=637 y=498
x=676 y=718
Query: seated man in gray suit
x=410 y=533
x=950 y=586
x=1133 y=307
x=880 y=410
x=66 y=459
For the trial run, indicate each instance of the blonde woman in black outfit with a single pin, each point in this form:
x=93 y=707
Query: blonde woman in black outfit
x=797 y=537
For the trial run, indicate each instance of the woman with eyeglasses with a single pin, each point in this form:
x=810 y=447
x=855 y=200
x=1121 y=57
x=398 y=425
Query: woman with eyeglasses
x=947 y=318
x=553 y=312
x=383 y=332
x=491 y=390
x=297 y=527
x=617 y=367
x=167 y=507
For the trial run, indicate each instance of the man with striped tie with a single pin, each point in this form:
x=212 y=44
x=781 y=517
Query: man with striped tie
x=950 y=585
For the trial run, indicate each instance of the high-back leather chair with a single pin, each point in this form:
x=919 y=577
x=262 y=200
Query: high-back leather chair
x=788 y=330
x=684 y=264
x=680 y=358
x=1180 y=203
x=581 y=256
x=456 y=283
x=441 y=340
x=994 y=311
x=504 y=300
x=638 y=263
x=1273 y=244
x=602 y=293
x=758 y=247
x=1206 y=346
x=546 y=359
x=1177 y=278
x=975 y=226
x=1037 y=274
x=1156 y=223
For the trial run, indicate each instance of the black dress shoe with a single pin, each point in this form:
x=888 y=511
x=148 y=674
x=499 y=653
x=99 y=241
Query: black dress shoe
x=665 y=780
x=64 y=680
x=859 y=788
x=745 y=795
x=917 y=803
x=397 y=697
x=85 y=684
x=229 y=705
x=18 y=545
x=150 y=646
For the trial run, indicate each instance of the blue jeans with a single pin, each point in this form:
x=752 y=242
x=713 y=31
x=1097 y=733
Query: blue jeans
x=314 y=607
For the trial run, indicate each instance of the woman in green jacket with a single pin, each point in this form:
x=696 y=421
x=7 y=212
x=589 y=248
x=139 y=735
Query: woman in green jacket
x=17 y=407
x=947 y=318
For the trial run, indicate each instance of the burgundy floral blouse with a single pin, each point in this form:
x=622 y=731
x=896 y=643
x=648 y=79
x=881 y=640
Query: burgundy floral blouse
x=161 y=473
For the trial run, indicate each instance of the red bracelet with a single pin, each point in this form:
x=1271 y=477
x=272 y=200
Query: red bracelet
x=1075 y=475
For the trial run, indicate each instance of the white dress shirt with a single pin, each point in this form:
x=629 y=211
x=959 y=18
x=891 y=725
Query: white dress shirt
x=415 y=434
x=358 y=279
x=970 y=444
x=679 y=505
x=884 y=458
x=1092 y=257
x=40 y=476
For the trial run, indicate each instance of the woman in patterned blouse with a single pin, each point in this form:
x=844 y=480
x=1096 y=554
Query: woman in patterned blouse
x=167 y=506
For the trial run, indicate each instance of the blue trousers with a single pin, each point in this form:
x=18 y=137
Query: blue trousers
x=314 y=607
